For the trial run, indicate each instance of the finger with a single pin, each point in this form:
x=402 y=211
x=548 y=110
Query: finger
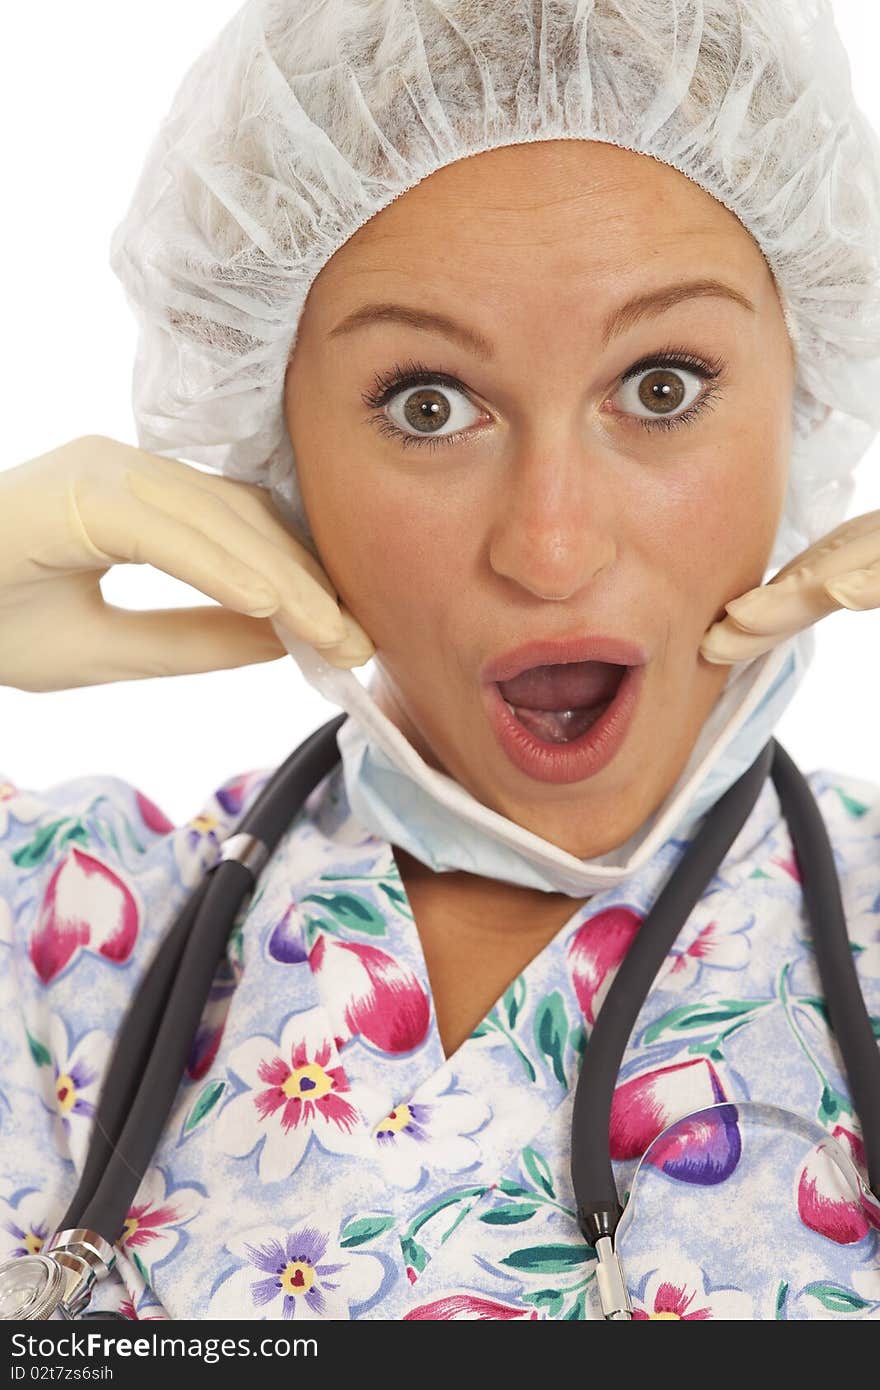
x=852 y=545
x=782 y=607
x=128 y=645
x=858 y=590
x=355 y=650
x=254 y=505
x=302 y=599
x=725 y=643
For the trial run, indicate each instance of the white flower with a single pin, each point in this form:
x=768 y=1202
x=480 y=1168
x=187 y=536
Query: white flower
x=432 y=1130
x=677 y=1289
x=151 y=1226
x=71 y=1083
x=26 y=1222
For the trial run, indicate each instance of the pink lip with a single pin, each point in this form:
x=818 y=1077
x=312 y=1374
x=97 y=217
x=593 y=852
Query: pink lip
x=551 y=652
x=566 y=762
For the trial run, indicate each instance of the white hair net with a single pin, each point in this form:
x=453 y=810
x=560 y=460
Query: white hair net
x=303 y=120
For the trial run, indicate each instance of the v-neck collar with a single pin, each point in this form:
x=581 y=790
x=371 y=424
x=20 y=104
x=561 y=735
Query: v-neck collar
x=353 y=896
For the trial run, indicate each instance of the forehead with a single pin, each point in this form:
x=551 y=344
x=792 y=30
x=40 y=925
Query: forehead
x=583 y=213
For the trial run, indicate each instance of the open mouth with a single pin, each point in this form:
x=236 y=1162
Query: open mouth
x=560 y=702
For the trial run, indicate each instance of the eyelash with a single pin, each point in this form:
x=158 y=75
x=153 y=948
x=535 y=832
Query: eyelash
x=403 y=376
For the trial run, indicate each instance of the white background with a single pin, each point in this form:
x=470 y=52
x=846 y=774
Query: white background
x=84 y=88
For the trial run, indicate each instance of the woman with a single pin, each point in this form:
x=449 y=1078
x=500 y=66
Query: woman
x=539 y=509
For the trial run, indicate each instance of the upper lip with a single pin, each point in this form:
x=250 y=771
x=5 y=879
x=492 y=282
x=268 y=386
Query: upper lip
x=552 y=651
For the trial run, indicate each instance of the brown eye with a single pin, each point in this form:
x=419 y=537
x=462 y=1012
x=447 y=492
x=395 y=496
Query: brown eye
x=659 y=391
x=427 y=411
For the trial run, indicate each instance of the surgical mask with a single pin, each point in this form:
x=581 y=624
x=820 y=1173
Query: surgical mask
x=395 y=794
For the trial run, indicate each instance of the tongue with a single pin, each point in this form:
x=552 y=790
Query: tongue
x=574 y=685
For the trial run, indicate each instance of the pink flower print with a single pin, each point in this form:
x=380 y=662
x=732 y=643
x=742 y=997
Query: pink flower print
x=468 y=1307
x=71 y=1084
x=826 y=1200
x=152 y=1226
x=293 y=1093
x=142 y=1313
x=299 y=1272
x=678 y=1291
x=26 y=1220
x=237 y=792
x=371 y=994
x=702 y=1147
x=595 y=952
x=719 y=945
x=152 y=817
x=85 y=907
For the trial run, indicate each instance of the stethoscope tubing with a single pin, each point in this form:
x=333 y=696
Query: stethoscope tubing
x=596 y=1197
x=592 y=1175
x=160 y=1025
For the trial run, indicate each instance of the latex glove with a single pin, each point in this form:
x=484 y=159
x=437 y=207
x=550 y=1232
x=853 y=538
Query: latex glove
x=842 y=570
x=67 y=516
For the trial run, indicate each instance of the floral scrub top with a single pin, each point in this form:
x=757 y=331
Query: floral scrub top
x=325 y=1160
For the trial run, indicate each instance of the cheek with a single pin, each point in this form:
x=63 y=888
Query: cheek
x=395 y=561
x=717 y=532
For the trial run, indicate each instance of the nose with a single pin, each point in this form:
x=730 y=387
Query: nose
x=555 y=527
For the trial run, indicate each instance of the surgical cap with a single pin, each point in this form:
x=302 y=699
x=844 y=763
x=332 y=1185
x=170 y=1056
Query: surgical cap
x=305 y=118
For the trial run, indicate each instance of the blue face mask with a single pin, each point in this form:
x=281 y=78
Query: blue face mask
x=397 y=796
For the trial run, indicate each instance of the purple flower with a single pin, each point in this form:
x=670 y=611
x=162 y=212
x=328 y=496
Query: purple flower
x=294 y=1271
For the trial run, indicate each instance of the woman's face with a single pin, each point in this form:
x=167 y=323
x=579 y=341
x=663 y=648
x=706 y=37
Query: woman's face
x=571 y=461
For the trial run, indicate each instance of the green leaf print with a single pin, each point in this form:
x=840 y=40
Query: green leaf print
x=77 y=831
x=510 y=1214
x=853 y=807
x=414 y=1255
x=832 y=1105
x=39 y=1053
x=551 y=1032
x=205 y=1101
x=781 y=1296
x=35 y=850
x=132 y=838
x=688 y=1018
x=538 y=1170
x=551 y=1299
x=362 y=1229
x=139 y=1266
x=103 y=827
x=397 y=898
x=514 y=999
x=548 y=1259
x=836 y=1298
x=513 y=1189
x=351 y=911
x=578 y=1310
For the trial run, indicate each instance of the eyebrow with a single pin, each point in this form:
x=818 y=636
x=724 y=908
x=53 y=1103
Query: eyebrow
x=641 y=306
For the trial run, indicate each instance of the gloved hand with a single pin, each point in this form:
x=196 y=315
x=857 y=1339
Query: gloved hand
x=842 y=570
x=67 y=516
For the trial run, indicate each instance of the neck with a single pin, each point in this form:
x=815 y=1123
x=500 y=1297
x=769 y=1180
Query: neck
x=488 y=902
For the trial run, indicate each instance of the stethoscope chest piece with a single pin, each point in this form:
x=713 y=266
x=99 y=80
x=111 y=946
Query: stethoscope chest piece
x=61 y=1279
x=31 y=1287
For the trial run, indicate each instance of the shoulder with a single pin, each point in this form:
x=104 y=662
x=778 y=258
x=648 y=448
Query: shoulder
x=83 y=862
x=851 y=809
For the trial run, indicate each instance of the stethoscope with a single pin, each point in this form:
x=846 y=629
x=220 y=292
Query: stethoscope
x=157 y=1032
